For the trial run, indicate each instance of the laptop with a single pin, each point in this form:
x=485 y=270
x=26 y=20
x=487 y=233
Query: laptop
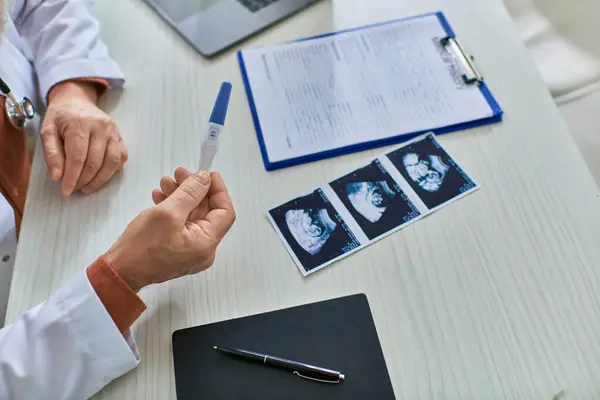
x=212 y=26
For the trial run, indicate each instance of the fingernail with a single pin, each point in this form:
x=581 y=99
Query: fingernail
x=203 y=177
x=55 y=174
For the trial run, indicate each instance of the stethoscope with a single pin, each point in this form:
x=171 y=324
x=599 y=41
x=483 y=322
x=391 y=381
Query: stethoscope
x=19 y=112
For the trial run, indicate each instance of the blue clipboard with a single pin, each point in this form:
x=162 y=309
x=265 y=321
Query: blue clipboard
x=497 y=111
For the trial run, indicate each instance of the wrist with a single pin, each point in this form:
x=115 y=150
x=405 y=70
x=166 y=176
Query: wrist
x=124 y=268
x=69 y=89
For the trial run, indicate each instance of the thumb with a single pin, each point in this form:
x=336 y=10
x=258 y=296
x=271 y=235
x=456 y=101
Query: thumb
x=188 y=195
x=53 y=150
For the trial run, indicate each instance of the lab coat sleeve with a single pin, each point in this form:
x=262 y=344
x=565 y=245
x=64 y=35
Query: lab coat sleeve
x=65 y=348
x=64 y=39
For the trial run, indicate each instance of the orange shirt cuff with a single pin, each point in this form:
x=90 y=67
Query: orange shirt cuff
x=101 y=84
x=122 y=303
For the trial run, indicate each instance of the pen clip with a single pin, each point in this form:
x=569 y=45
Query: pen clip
x=314 y=379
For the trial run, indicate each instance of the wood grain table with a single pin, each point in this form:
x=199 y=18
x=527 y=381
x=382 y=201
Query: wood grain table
x=493 y=297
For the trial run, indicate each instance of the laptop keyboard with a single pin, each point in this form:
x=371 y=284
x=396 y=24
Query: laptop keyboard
x=256 y=5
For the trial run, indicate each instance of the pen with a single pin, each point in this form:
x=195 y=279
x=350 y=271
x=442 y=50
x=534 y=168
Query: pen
x=302 y=370
x=215 y=127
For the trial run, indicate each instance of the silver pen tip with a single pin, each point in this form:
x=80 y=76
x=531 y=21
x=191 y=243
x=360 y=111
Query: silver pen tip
x=215 y=347
x=342 y=377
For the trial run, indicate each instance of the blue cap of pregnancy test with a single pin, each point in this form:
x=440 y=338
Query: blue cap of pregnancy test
x=219 y=111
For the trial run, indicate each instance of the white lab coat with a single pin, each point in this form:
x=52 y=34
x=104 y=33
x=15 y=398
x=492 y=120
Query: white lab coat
x=68 y=347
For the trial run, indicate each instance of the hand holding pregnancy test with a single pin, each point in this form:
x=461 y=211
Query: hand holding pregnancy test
x=215 y=126
x=209 y=147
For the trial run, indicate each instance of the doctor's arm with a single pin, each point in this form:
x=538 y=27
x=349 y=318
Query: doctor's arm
x=77 y=341
x=83 y=147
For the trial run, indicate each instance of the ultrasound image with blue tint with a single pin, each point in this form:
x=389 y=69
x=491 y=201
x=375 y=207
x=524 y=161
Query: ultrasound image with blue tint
x=313 y=230
x=374 y=200
x=369 y=203
x=431 y=172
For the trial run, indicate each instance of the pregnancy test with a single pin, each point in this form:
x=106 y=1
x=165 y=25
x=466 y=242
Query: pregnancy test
x=215 y=126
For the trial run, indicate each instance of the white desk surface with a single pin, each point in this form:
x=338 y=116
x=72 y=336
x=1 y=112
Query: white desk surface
x=493 y=297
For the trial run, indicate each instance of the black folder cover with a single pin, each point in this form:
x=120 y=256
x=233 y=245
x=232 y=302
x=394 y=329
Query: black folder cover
x=338 y=334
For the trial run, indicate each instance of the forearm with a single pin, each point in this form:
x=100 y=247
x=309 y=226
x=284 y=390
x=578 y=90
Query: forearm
x=77 y=341
x=64 y=37
x=88 y=88
x=67 y=347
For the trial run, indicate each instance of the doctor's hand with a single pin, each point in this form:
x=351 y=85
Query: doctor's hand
x=177 y=237
x=82 y=144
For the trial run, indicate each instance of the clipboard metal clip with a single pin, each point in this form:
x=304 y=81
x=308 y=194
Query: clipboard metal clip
x=473 y=76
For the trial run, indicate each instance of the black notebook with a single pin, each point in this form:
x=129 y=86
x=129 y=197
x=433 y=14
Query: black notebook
x=338 y=334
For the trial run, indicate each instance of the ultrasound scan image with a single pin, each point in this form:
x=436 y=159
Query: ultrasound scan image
x=374 y=200
x=313 y=230
x=431 y=172
x=428 y=173
x=310 y=228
